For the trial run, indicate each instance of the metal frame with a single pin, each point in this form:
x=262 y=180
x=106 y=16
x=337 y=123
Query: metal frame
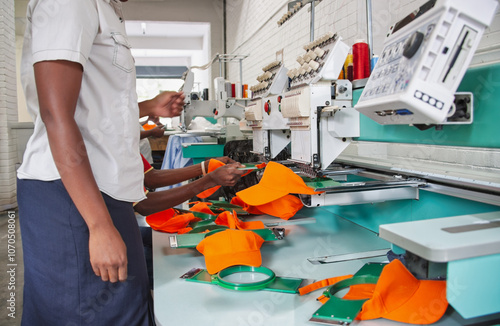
x=231 y=58
x=481 y=191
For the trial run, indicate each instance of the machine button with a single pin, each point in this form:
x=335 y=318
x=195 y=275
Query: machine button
x=425 y=98
x=418 y=94
x=413 y=44
x=267 y=107
x=432 y=101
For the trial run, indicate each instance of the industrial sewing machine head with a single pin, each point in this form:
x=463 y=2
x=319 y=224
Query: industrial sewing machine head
x=263 y=114
x=224 y=106
x=319 y=110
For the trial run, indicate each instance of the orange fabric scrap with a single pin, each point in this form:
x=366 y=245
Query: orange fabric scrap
x=168 y=221
x=202 y=207
x=233 y=222
x=258 y=166
x=321 y=284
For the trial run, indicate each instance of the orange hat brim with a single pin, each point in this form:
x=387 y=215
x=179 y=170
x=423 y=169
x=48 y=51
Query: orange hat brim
x=276 y=182
x=248 y=258
x=259 y=194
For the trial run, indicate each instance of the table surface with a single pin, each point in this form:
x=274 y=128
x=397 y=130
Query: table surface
x=179 y=302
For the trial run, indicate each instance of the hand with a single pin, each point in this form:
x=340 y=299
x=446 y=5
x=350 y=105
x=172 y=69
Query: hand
x=225 y=160
x=168 y=104
x=108 y=254
x=154 y=119
x=227 y=175
x=157 y=132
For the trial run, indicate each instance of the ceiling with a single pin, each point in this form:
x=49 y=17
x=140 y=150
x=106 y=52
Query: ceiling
x=176 y=43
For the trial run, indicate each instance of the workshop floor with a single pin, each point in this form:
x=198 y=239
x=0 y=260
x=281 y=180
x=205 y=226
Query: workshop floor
x=7 y=283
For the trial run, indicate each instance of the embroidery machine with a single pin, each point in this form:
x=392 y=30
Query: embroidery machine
x=392 y=183
x=428 y=188
x=223 y=106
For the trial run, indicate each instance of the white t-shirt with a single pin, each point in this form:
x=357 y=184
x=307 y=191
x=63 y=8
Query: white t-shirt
x=92 y=33
x=145 y=148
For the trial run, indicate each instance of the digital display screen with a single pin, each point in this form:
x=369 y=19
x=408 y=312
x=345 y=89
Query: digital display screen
x=414 y=15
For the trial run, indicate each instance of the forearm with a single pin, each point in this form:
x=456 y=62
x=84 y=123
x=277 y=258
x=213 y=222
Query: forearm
x=162 y=200
x=146 y=108
x=161 y=178
x=70 y=156
x=145 y=134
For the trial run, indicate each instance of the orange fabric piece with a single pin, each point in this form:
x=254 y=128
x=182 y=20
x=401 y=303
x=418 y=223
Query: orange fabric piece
x=356 y=292
x=284 y=207
x=149 y=126
x=277 y=181
x=212 y=165
x=184 y=230
x=229 y=248
x=323 y=299
x=258 y=166
x=250 y=209
x=321 y=284
x=168 y=221
x=202 y=207
x=399 y=296
x=359 y=292
x=233 y=222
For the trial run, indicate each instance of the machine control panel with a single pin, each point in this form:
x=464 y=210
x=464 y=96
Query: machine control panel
x=273 y=118
x=423 y=62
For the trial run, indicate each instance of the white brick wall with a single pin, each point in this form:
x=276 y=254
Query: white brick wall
x=8 y=105
x=253 y=30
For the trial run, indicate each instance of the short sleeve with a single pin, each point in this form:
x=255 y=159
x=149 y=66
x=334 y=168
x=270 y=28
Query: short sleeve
x=63 y=30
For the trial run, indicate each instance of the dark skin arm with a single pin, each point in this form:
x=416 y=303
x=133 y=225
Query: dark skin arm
x=58 y=86
x=226 y=175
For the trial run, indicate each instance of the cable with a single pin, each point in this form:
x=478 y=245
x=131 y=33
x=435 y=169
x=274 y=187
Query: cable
x=206 y=66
